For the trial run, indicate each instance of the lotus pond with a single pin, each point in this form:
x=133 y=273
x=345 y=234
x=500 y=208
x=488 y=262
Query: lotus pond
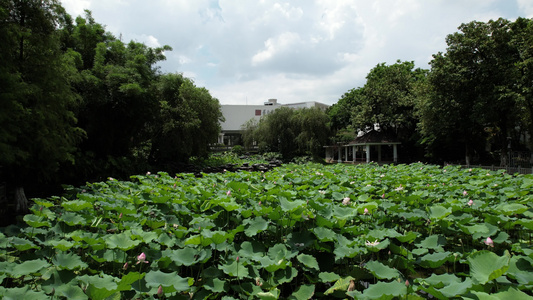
x=298 y=232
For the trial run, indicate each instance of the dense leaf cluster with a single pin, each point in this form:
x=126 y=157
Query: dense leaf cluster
x=474 y=102
x=76 y=98
x=297 y=232
x=290 y=132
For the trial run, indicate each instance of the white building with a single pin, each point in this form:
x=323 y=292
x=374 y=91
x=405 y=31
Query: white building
x=237 y=115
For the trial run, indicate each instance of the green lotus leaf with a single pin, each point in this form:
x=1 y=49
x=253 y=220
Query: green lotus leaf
x=486 y=265
x=29 y=267
x=324 y=234
x=62 y=245
x=434 y=241
x=441 y=280
x=340 y=285
x=379 y=234
x=290 y=206
x=72 y=219
x=68 y=261
x=216 y=285
x=512 y=293
x=253 y=250
x=521 y=269
x=345 y=251
x=230 y=205
x=527 y=223
x=439 y=212
x=456 y=288
x=144 y=236
x=125 y=283
x=511 y=208
x=280 y=251
x=195 y=240
x=71 y=292
x=370 y=206
x=255 y=226
x=480 y=230
x=381 y=271
x=58 y=279
x=235 y=269
x=282 y=276
x=380 y=246
x=36 y=221
x=182 y=257
x=408 y=237
x=303 y=292
x=165 y=240
x=270 y=295
x=122 y=241
x=170 y=282
x=385 y=290
x=308 y=261
x=76 y=205
x=24 y=293
x=328 y=277
x=435 y=260
x=21 y=244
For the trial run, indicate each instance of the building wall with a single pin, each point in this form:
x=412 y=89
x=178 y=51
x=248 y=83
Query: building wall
x=237 y=115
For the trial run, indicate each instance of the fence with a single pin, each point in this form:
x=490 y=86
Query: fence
x=509 y=170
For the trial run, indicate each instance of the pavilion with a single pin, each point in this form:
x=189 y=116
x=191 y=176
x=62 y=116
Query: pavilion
x=371 y=146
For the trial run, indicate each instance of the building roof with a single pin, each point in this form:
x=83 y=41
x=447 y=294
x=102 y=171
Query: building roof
x=374 y=137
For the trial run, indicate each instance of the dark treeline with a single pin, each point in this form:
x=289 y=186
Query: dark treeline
x=474 y=105
x=79 y=104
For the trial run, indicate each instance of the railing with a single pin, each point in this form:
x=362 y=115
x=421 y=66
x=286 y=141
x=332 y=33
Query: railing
x=509 y=170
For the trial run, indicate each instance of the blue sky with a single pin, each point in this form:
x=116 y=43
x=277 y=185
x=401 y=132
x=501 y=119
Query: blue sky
x=245 y=52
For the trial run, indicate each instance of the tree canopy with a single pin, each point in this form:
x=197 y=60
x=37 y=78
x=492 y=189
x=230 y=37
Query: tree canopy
x=76 y=99
x=475 y=101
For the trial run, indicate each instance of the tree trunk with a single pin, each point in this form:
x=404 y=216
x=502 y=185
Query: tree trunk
x=468 y=154
x=21 y=201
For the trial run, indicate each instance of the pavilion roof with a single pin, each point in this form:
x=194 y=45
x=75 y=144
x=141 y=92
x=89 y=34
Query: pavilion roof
x=374 y=137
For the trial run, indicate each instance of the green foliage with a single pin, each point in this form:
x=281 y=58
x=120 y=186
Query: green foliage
x=473 y=96
x=290 y=132
x=288 y=233
x=37 y=120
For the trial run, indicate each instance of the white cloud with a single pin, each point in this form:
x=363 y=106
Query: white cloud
x=76 y=7
x=527 y=7
x=296 y=50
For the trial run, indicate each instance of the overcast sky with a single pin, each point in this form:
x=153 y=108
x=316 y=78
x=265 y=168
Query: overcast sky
x=248 y=51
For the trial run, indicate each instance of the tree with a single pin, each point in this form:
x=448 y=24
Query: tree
x=188 y=120
x=472 y=89
x=340 y=116
x=37 y=120
x=388 y=99
x=291 y=132
x=314 y=131
x=522 y=30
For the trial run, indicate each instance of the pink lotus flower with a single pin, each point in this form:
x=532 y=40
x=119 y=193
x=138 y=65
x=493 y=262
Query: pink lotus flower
x=489 y=242
x=141 y=258
x=346 y=201
x=160 y=291
x=470 y=203
x=465 y=193
x=125 y=266
x=228 y=193
x=365 y=211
